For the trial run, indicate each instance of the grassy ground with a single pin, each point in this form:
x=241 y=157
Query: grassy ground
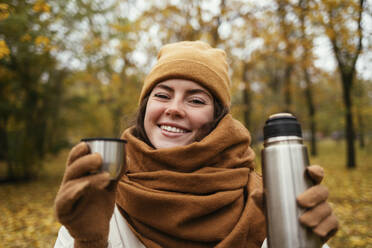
x=27 y=215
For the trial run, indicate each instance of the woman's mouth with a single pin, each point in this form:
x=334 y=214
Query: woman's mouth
x=173 y=129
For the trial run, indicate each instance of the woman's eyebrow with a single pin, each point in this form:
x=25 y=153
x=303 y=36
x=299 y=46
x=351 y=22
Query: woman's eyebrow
x=196 y=91
x=188 y=92
x=165 y=87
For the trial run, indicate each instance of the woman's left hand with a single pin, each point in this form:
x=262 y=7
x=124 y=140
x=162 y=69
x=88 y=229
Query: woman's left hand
x=319 y=215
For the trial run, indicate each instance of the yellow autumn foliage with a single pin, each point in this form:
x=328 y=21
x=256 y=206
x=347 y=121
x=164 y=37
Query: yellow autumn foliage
x=42 y=40
x=4 y=50
x=93 y=45
x=26 y=37
x=122 y=28
x=4 y=11
x=41 y=6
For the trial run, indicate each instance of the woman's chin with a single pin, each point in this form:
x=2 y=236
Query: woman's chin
x=170 y=143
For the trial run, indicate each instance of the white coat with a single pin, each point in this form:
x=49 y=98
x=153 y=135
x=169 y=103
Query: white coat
x=120 y=235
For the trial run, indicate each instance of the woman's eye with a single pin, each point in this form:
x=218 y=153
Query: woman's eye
x=159 y=95
x=197 y=101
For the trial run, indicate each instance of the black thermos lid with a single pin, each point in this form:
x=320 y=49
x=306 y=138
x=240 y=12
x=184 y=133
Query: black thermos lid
x=282 y=124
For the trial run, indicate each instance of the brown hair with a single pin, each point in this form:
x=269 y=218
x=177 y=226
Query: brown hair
x=219 y=112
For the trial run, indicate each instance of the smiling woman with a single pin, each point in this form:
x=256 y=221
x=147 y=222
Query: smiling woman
x=176 y=111
x=189 y=180
x=203 y=100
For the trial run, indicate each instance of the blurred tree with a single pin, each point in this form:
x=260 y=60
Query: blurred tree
x=57 y=62
x=71 y=69
x=330 y=121
x=363 y=109
x=244 y=29
x=263 y=44
x=270 y=47
x=288 y=38
x=31 y=89
x=172 y=22
x=342 y=21
x=107 y=81
x=306 y=64
x=247 y=94
x=278 y=30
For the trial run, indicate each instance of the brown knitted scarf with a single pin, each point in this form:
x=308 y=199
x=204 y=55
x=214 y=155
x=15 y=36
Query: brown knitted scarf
x=197 y=195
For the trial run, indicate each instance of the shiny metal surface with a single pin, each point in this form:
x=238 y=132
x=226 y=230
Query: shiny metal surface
x=285 y=139
x=279 y=115
x=284 y=160
x=113 y=155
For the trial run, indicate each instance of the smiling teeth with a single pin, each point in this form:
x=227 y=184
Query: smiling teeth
x=172 y=129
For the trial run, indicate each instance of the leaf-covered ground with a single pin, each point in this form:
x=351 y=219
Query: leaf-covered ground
x=27 y=216
x=350 y=194
x=26 y=209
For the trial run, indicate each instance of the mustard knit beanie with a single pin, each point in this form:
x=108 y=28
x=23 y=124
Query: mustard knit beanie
x=191 y=60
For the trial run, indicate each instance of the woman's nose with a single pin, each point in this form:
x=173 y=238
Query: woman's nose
x=175 y=109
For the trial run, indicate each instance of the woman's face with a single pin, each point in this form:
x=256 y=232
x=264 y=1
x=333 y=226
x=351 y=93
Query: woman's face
x=176 y=110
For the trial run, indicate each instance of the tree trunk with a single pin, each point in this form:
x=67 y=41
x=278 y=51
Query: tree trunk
x=349 y=128
x=287 y=88
x=361 y=130
x=346 y=65
x=246 y=96
x=215 y=35
x=308 y=91
x=311 y=109
x=4 y=150
x=286 y=35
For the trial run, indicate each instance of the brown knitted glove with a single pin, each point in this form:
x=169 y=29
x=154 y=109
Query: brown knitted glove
x=85 y=201
x=319 y=215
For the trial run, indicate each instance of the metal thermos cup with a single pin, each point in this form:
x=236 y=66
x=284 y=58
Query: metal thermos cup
x=112 y=152
x=284 y=160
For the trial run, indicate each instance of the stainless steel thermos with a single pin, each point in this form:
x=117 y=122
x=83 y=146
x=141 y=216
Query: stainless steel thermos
x=284 y=160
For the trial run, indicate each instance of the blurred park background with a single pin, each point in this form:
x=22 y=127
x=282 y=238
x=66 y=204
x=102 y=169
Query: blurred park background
x=74 y=68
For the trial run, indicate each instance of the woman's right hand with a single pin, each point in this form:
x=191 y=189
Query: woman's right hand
x=86 y=199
